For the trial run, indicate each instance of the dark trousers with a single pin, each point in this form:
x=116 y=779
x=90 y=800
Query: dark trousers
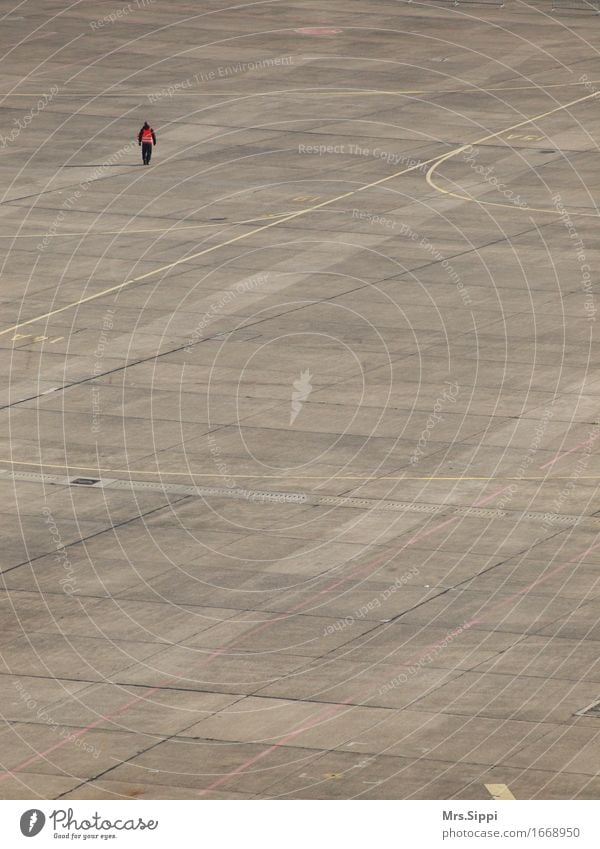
x=146 y=152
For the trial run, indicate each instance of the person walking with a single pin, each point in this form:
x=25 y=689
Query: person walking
x=146 y=138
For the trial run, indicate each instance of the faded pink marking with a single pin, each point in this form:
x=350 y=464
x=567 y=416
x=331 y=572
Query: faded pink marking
x=536 y=582
x=424 y=652
x=150 y=691
x=490 y=497
x=75 y=735
x=433 y=530
x=563 y=454
x=316 y=720
x=220 y=651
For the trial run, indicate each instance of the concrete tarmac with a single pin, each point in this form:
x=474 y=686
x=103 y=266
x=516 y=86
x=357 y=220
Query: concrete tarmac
x=299 y=429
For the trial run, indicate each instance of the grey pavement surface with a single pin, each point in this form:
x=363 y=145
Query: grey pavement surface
x=326 y=373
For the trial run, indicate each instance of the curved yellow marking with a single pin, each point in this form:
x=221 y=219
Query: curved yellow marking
x=436 y=161
x=456 y=151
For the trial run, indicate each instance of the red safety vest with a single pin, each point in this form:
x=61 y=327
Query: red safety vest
x=147 y=135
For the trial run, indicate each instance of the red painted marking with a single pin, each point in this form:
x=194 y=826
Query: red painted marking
x=423 y=653
x=259 y=627
x=492 y=496
x=535 y=583
x=76 y=734
x=433 y=530
x=316 y=720
x=560 y=455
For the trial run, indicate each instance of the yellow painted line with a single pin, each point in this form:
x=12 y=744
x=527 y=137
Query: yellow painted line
x=543 y=210
x=436 y=161
x=172 y=229
x=443 y=158
x=453 y=153
x=434 y=92
x=347 y=92
x=287 y=476
x=499 y=791
x=508 y=205
x=224 y=244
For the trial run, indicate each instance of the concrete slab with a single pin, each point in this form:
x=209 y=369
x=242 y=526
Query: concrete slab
x=352 y=299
